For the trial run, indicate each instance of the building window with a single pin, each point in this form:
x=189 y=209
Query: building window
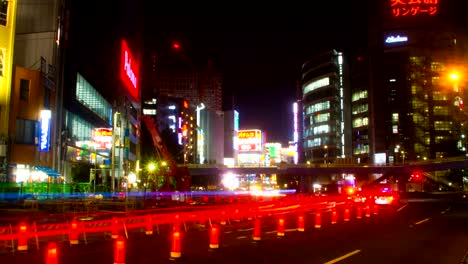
x=25 y=131
x=24 y=90
x=3 y=12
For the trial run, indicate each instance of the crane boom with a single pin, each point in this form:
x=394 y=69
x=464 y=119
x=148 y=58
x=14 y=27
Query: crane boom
x=180 y=174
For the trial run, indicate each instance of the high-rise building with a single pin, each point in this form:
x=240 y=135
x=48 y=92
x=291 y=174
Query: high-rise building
x=324 y=108
x=416 y=111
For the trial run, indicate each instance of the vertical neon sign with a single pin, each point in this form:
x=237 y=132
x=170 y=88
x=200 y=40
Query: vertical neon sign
x=296 y=132
x=44 y=130
x=129 y=71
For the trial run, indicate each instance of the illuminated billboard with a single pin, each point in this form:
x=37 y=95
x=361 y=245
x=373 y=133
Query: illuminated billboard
x=249 y=140
x=408 y=8
x=102 y=137
x=129 y=71
x=44 y=130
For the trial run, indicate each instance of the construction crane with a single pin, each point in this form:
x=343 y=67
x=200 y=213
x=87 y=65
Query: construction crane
x=179 y=173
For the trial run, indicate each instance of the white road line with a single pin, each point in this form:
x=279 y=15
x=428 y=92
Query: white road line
x=401 y=208
x=422 y=221
x=290 y=230
x=343 y=257
x=271 y=232
x=245 y=230
x=241 y=237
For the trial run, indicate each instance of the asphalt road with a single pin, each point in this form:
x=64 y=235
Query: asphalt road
x=417 y=232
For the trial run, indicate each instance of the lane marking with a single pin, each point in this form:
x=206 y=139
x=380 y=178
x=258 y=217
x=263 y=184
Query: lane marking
x=290 y=230
x=422 y=221
x=446 y=210
x=343 y=257
x=241 y=237
x=245 y=230
x=271 y=232
x=401 y=208
x=228 y=232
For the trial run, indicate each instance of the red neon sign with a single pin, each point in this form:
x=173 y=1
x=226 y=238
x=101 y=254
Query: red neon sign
x=403 y=8
x=129 y=71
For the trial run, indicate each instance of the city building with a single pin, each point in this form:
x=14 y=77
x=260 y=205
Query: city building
x=415 y=109
x=176 y=121
x=325 y=109
x=231 y=128
x=360 y=112
x=7 y=39
x=32 y=91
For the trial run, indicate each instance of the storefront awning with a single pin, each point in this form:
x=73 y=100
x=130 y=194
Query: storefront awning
x=49 y=171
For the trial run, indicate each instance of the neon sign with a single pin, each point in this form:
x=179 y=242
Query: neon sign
x=403 y=8
x=44 y=137
x=129 y=71
x=396 y=39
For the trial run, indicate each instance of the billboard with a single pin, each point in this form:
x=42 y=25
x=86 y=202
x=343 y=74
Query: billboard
x=411 y=8
x=102 y=137
x=249 y=140
x=129 y=71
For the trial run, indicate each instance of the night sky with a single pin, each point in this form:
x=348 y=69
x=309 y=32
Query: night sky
x=260 y=57
x=258 y=51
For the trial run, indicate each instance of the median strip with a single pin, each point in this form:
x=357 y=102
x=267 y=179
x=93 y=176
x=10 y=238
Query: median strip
x=343 y=257
x=422 y=221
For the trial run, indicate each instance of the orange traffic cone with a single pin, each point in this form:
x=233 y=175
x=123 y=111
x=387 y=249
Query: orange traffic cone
x=257 y=236
x=74 y=232
x=149 y=225
x=318 y=220
x=51 y=254
x=334 y=217
x=214 y=237
x=368 y=211
x=346 y=214
x=300 y=223
x=175 y=248
x=23 y=237
x=280 y=232
x=359 y=212
x=115 y=228
x=119 y=250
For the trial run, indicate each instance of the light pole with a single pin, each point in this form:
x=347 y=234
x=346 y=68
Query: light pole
x=325 y=155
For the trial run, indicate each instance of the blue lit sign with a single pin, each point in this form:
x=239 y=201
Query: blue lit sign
x=396 y=39
x=44 y=131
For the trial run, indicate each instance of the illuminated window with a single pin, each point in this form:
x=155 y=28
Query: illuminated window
x=316 y=85
x=442 y=125
x=359 y=95
x=362 y=108
x=90 y=98
x=440 y=139
x=3 y=12
x=317 y=107
x=395 y=117
x=395 y=129
x=441 y=110
x=359 y=122
x=321 y=117
x=323 y=129
x=149 y=111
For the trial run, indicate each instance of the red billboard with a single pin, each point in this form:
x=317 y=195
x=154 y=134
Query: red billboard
x=129 y=71
x=406 y=8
